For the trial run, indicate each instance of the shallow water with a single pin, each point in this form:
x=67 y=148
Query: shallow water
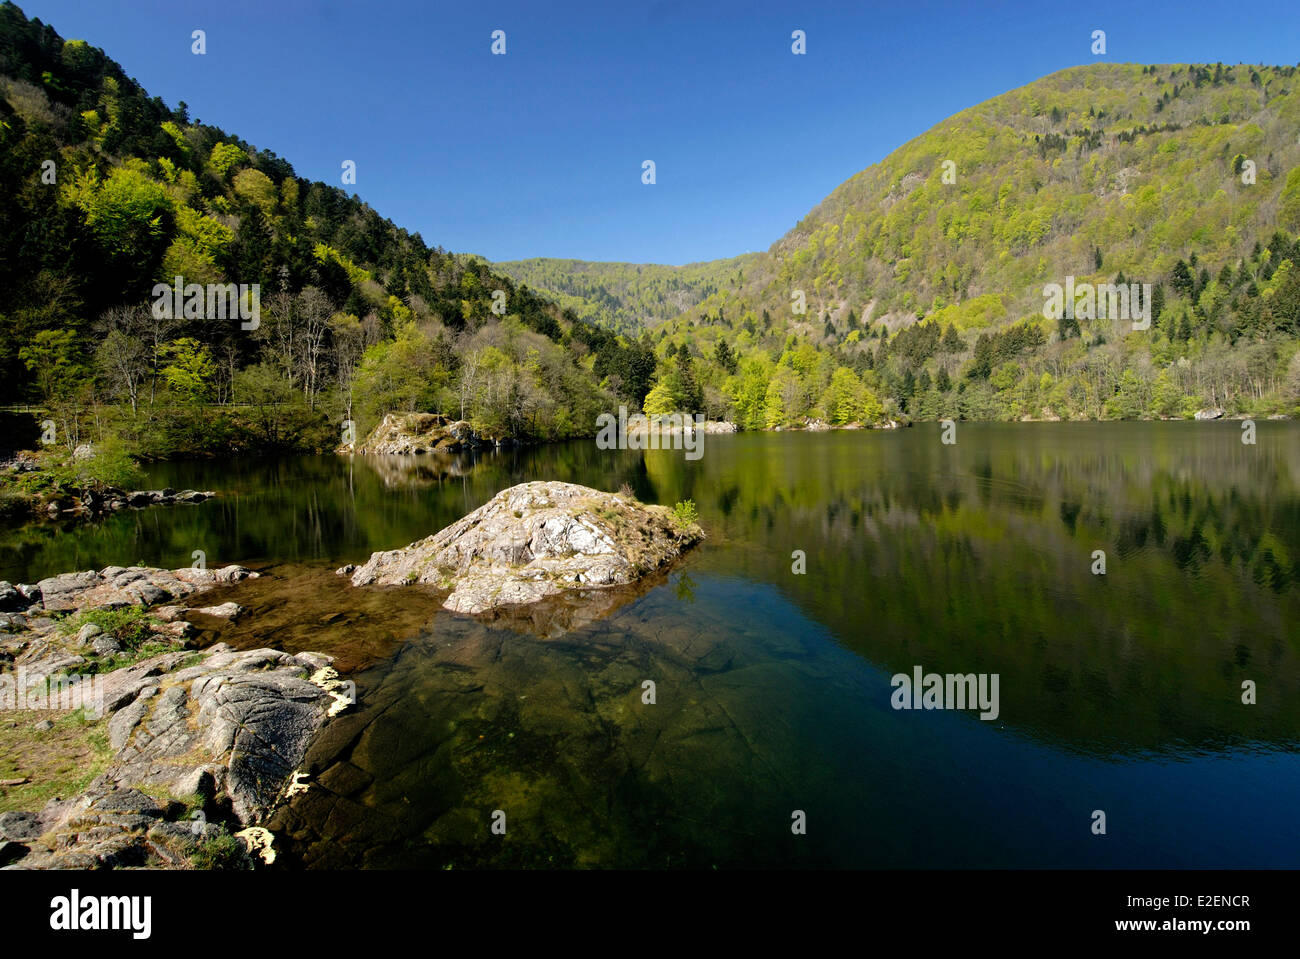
x=1118 y=692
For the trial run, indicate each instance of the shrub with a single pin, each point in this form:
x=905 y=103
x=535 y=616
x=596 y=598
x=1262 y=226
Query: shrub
x=686 y=512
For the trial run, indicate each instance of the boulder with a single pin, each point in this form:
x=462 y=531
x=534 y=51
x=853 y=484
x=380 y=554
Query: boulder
x=405 y=433
x=231 y=729
x=12 y=599
x=535 y=541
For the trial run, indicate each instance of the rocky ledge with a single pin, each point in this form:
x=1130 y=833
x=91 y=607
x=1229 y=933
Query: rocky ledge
x=535 y=541
x=110 y=587
x=404 y=433
x=200 y=743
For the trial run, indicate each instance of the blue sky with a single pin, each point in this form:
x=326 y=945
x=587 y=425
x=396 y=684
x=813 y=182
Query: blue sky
x=539 y=152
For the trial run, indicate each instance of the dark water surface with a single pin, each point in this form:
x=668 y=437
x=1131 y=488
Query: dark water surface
x=1119 y=692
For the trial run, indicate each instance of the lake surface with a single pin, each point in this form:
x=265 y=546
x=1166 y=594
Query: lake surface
x=1119 y=692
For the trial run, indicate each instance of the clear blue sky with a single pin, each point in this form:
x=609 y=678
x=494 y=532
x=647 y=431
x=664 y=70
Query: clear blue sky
x=539 y=152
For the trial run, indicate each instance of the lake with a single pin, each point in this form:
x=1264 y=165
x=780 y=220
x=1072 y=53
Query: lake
x=1119 y=692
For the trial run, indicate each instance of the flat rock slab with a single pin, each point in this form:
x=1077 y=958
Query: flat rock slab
x=128 y=586
x=535 y=541
x=234 y=726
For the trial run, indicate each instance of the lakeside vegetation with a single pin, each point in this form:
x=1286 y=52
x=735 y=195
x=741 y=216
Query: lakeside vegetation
x=922 y=279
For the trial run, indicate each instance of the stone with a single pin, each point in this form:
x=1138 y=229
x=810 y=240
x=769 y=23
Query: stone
x=198 y=781
x=231 y=730
x=11 y=599
x=224 y=611
x=19 y=825
x=116 y=586
x=407 y=433
x=88 y=632
x=105 y=646
x=535 y=541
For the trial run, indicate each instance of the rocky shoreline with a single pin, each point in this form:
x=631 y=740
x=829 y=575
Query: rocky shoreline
x=180 y=754
x=90 y=500
x=201 y=745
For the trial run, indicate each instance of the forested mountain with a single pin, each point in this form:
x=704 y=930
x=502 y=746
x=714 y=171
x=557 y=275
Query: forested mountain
x=110 y=191
x=921 y=279
x=627 y=296
x=923 y=275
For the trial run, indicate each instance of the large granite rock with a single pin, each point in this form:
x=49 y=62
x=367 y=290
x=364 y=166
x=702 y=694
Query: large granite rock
x=401 y=433
x=230 y=730
x=534 y=541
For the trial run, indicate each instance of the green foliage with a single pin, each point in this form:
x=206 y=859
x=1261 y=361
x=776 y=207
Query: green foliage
x=131 y=626
x=659 y=400
x=912 y=284
x=109 y=465
x=52 y=358
x=685 y=512
x=225 y=157
x=145 y=195
x=190 y=370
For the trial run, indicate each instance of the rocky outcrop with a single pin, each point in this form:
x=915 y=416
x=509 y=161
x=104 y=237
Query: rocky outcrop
x=647 y=424
x=200 y=741
x=224 y=735
x=1212 y=413
x=96 y=500
x=533 y=542
x=113 y=586
x=403 y=433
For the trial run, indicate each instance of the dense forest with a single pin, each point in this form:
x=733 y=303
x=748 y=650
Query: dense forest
x=627 y=297
x=111 y=192
x=914 y=291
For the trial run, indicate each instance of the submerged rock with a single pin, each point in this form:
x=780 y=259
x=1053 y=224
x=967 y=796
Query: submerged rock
x=535 y=541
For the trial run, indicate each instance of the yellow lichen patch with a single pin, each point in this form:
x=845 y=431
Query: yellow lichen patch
x=258 y=841
x=298 y=785
x=342 y=692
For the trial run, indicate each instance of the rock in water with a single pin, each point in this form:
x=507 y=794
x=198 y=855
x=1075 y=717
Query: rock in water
x=535 y=541
x=402 y=433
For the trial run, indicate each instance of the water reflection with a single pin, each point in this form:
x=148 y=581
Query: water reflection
x=1123 y=689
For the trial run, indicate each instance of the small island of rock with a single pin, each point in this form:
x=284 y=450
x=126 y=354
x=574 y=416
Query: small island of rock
x=534 y=541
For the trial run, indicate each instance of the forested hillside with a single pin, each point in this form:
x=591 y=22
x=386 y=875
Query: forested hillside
x=110 y=191
x=915 y=290
x=628 y=296
x=922 y=277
